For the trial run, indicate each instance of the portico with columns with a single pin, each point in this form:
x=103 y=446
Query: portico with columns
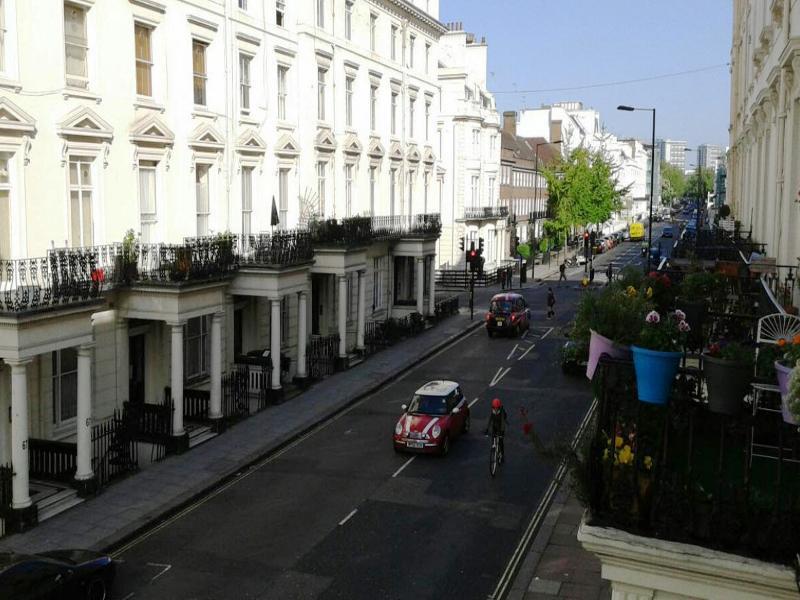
x=414 y=276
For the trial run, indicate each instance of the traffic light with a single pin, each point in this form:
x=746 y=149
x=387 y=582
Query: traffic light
x=461 y=243
x=480 y=245
x=592 y=237
x=585 y=240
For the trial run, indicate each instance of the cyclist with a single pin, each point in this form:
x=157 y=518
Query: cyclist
x=497 y=424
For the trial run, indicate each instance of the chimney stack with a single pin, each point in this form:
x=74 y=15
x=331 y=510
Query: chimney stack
x=510 y=122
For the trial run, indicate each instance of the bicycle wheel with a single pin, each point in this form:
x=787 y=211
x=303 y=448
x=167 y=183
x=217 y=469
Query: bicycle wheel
x=493 y=457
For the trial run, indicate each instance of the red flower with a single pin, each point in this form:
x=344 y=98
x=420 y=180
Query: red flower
x=666 y=281
x=98 y=275
x=714 y=349
x=526 y=428
x=653 y=274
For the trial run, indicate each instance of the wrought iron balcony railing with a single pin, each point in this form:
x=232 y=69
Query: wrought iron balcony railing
x=350 y=231
x=400 y=226
x=279 y=249
x=58 y=279
x=486 y=212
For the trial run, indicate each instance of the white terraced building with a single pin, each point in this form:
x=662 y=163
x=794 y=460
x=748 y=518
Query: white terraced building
x=182 y=121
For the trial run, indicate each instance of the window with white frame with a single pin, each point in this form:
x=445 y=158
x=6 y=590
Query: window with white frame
x=65 y=385
x=148 y=208
x=372 y=175
x=392 y=190
x=373 y=26
x=427 y=120
x=144 y=59
x=280 y=12
x=199 y=75
x=244 y=82
x=247 y=200
x=348 y=190
x=491 y=191
x=427 y=185
x=427 y=58
x=201 y=177
x=474 y=196
x=321 y=13
x=283 y=196
x=283 y=73
x=348 y=19
x=5 y=207
x=284 y=320
x=439 y=134
x=476 y=141
x=348 y=101
x=393 y=114
x=321 y=185
x=412 y=102
x=410 y=195
x=243 y=4
x=412 y=40
x=378 y=278
x=373 y=106
x=393 y=42
x=196 y=347
x=76 y=42
x=322 y=75
x=81 y=192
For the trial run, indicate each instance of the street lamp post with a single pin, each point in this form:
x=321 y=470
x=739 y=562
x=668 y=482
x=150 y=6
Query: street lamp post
x=536 y=199
x=701 y=189
x=652 y=175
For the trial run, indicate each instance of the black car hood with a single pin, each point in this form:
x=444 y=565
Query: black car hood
x=76 y=557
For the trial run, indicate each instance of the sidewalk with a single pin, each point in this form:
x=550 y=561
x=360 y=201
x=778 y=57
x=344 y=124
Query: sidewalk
x=125 y=507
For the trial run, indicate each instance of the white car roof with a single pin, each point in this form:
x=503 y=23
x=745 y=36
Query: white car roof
x=437 y=388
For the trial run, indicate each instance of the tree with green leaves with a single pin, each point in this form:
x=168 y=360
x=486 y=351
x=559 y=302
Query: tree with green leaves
x=673 y=183
x=699 y=187
x=582 y=189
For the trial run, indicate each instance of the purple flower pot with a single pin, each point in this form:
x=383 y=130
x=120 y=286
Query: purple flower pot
x=599 y=345
x=783 y=372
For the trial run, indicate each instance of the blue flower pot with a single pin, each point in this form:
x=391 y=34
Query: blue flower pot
x=655 y=372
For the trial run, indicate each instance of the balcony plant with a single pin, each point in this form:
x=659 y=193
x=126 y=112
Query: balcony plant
x=728 y=368
x=182 y=263
x=786 y=370
x=224 y=242
x=657 y=354
x=125 y=263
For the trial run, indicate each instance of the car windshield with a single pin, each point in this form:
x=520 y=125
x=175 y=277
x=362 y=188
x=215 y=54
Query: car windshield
x=501 y=306
x=429 y=405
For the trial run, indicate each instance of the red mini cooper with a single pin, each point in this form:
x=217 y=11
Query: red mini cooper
x=508 y=313
x=438 y=413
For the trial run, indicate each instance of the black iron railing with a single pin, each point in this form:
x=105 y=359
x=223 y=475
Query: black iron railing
x=399 y=226
x=459 y=278
x=350 y=231
x=195 y=403
x=52 y=461
x=446 y=306
x=486 y=212
x=197 y=259
x=60 y=278
x=149 y=422
x=6 y=493
x=279 y=249
x=683 y=473
x=782 y=283
x=237 y=389
x=114 y=450
x=321 y=356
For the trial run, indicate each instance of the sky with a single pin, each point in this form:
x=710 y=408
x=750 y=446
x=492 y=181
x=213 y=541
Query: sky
x=537 y=45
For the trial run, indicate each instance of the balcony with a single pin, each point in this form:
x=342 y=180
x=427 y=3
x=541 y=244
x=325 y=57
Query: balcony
x=275 y=250
x=485 y=213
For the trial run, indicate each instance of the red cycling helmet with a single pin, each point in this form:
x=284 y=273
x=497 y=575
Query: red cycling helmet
x=496 y=404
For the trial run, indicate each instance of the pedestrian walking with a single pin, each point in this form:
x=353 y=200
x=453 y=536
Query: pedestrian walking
x=551 y=303
x=563 y=270
x=510 y=277
x=609 y=273
x=503 y=278
x=591 y=273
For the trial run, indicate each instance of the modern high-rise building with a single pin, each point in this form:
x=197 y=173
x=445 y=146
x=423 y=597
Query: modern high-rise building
x=709 y=155
x=673 y=152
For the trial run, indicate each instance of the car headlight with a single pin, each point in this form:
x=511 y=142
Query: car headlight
x=398 y=429
x=436 y=431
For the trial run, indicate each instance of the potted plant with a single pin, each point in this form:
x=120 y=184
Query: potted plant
x=786 y=370
x=728 y=368
x=125 y=264
x=657 y=354
x=182 y=264
x=224 y=245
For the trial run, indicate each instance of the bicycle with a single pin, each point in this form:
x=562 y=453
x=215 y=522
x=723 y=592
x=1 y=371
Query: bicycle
x=495 y=454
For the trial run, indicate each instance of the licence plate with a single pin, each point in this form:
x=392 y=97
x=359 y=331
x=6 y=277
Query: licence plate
x=415 y=444
x=499 y=322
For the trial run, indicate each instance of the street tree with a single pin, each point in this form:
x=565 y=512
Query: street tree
x=673 y=183
x=698 y=186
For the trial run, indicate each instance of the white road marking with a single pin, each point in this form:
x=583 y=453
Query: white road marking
x=524 y=335
x=348 y=517
x=510 y=354
x=164 y=569
x=524 y=354
x=546 y=333
x=405 y=464
x=129 y=596
x=348 y=432
x=499 y=375
x=473 y=402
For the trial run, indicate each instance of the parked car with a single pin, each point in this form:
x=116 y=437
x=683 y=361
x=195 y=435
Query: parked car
x=508 y=313
x=438 y=412
x=56 y=575
x=666 y=232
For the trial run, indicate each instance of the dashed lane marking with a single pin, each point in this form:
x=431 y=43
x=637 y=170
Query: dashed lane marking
x=473 y=402
x=348 y=517
x=400 y=470
x=499 y=375
x=524 y=354
x=514 y=349
x=164 y=568
x=546 y=333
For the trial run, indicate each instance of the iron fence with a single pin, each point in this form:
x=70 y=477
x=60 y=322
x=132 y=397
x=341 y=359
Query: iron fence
x=486 y=212
x=350 y=231
x=236 y=394
x=399 y=226
x=279 y=249
x=53 y=461
x=6 y=494
x=115 y=453
x=321 y=356
x=149 y=422
x=197 y=259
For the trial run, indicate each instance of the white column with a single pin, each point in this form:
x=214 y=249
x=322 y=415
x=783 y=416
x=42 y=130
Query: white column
x=302 y=334
x=215 y=400
x=122 y=339
x=432 y=291
x=342 y=316
x=420 y=285
x=361 y=309
x=275 y=341
x=20 y=491
x=84 y=413
x=176 y=383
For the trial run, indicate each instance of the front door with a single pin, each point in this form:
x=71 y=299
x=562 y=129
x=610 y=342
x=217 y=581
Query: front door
x=136 y=368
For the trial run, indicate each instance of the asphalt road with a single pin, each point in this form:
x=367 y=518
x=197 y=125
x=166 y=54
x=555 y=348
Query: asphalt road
x=341 y=515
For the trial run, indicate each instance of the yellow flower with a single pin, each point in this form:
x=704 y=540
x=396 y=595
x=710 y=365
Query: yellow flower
x=648 y=462
x=618 y=442
x=649 y=292
x=605 y=454
x=631 y=291
x=625 y=455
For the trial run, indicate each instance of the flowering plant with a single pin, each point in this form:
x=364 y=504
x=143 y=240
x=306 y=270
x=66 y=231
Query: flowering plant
x=658 y=288
x=622 y=448
x=666 y=334
x=790 y=350
x=731 y=351
x=793 y=399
